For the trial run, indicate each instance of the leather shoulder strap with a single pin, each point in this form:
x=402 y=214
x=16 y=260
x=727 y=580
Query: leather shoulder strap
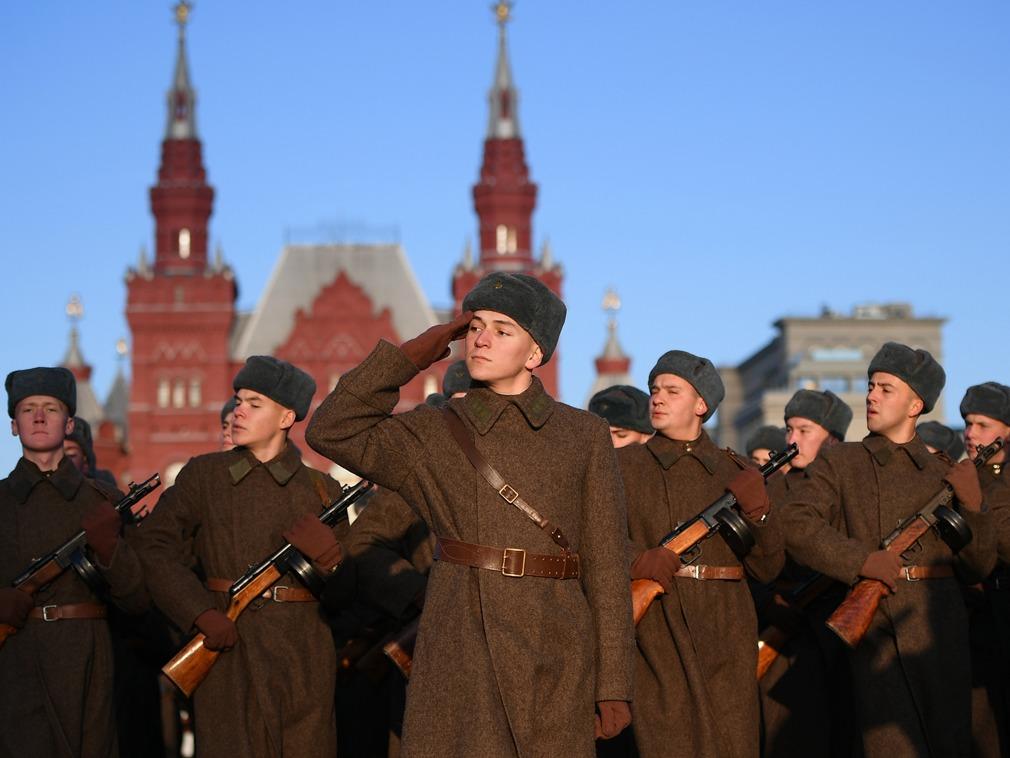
x=319 y=482
x=496 y=480
x=738 y=459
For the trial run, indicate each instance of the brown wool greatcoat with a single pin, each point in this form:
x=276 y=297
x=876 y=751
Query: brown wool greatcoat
x=272 y=694
x=910 y=674
x=56 y=677
x=697 y=647
x=503 y=666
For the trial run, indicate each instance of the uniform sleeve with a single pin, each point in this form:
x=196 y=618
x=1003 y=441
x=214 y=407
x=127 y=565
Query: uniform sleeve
x=989 y=539
x=765 y=560
x=603 y=554
x=808 y=515
x=125 y=576
x=165 y=545
x=354 y=427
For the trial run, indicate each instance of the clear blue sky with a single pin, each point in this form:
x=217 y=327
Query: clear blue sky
x=721 y=164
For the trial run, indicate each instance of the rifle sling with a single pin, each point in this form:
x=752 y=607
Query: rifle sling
x=496 y=480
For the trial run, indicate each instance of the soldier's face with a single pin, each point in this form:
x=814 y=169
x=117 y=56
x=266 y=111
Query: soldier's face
x=760 y=456
x=982 y=430
x=497 y=348
x=622 y=437
x=75 y=453
x=675 y=407
x=808 y=437
x=890 y=403
x=41 y=423
x=227 y=443
x=258 y=419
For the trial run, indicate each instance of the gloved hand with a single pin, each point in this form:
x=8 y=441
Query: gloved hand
x=884 y=566
x=433 y=344
x=612 y=718
x=316 y=541
x=964 y=479
x=14 y=606
x=101 y=525
x=658 y=564
x=219 y=630
x=748 y=487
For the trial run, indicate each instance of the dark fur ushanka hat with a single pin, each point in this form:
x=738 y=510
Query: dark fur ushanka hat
x=81 y=434
x=456 y=379
x=917 y=368
x=698 y=371
x=941 y=438
x=228 y=407
x=991 y=399
x=769 y=438
x=56 y=382
x=527 y=300
x=824 y=408
x=623 y=406
x=279 y=380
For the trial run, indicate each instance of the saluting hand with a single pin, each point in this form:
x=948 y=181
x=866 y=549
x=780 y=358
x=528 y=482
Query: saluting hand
x=964 y=479
x=433 y=344
x=101 y=526
x=315 y=541
x=748 y=487
x=220 y=632
x=658 y=564
x=14 y=606
x=612 y=718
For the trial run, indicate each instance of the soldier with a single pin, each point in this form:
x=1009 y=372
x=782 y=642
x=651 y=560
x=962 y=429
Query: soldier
x=519 y=637
x=941 y=439
x=695 y=691
x=273 y=693
x=765 y=441
x=626 y=409
x=80 y=449
x=910 y=674
x=986 y=413
x=227 y=420
x=805 y=694
x=56 y=670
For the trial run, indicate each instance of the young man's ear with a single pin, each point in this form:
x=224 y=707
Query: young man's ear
x=701 y=408
x=536 y=357
x=288 y=419
x=915 y=407
x=69 y=426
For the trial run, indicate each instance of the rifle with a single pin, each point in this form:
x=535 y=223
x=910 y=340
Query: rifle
x=685 y=540
x=853 y=617
x=191 y=665
x=773 y=638
x=400 y=649
x=49 y=568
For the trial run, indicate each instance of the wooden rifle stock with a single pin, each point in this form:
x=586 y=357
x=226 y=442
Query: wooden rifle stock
x=645 y=591
x=400 y=649
x=191 y=665
x=774 y=637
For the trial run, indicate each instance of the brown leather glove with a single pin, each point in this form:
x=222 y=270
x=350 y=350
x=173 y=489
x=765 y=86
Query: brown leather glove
x=316 y=541
x=964 y=479
x=14 y=606
x=748 y=487
x=658 y=564
x=219 y=631
x=612 y=718
x=433 y=344
x=101 y=526
x=884 y=566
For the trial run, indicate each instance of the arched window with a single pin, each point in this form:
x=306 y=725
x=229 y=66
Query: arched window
x=184 y=243
x=195 y=393
x=179 y=394
x=505 y=239
x=163 y=393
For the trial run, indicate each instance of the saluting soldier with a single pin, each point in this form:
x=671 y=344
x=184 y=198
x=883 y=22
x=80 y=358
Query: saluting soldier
x=910 y=674
x=941 y=439
x=695 y=691
x=986 y=413
x=626 y=409
x=56 y=670
x=272 y=694
x=519 y=636
x=805 y=708
x=766 y=441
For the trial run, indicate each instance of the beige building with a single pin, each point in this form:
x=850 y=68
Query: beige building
x=827 y=352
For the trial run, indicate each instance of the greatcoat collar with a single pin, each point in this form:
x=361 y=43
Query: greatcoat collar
x=483 y=407
x=883 y=450
x=668 y=451
x=281 y=468
x=66 y=479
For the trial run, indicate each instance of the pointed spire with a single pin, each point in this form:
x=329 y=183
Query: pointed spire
x=503 y=98
x=612 y=363
x=546 y=255
x=467 y=255
x=181 y=97
x=218 y=257
x=143 y=266
x=73 y=359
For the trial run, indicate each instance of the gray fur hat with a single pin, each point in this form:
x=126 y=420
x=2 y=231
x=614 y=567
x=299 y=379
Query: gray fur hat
x=527 y=300
x=279 y=380
x=824 y=408
x=769 y=438
x=991 y=399
x=456 y=379
x=228 y=407
x=917 y=368
x=698 y=371
x=941 y=438
x=56 y=382
x=623 y=406
x=81 y=434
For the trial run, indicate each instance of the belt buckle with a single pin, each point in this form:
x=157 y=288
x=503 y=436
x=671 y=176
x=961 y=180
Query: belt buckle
x=45 y=613
x=693 y=571
x=273 y=593
x=907 y=571
x=509 y=494
x=505 y=559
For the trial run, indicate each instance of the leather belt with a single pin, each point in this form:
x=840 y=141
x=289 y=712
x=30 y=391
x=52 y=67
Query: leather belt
x=702 y=572
x=509 y=561
x=917 y=573
x=68 y=611
x=278 y=593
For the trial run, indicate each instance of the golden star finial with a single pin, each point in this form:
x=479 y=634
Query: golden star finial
x=182 y=10
x=75 y=308
x=611 y=301
x=502 y=11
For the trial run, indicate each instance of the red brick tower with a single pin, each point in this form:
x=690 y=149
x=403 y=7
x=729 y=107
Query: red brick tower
x=505 y=198
x=181 y=309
